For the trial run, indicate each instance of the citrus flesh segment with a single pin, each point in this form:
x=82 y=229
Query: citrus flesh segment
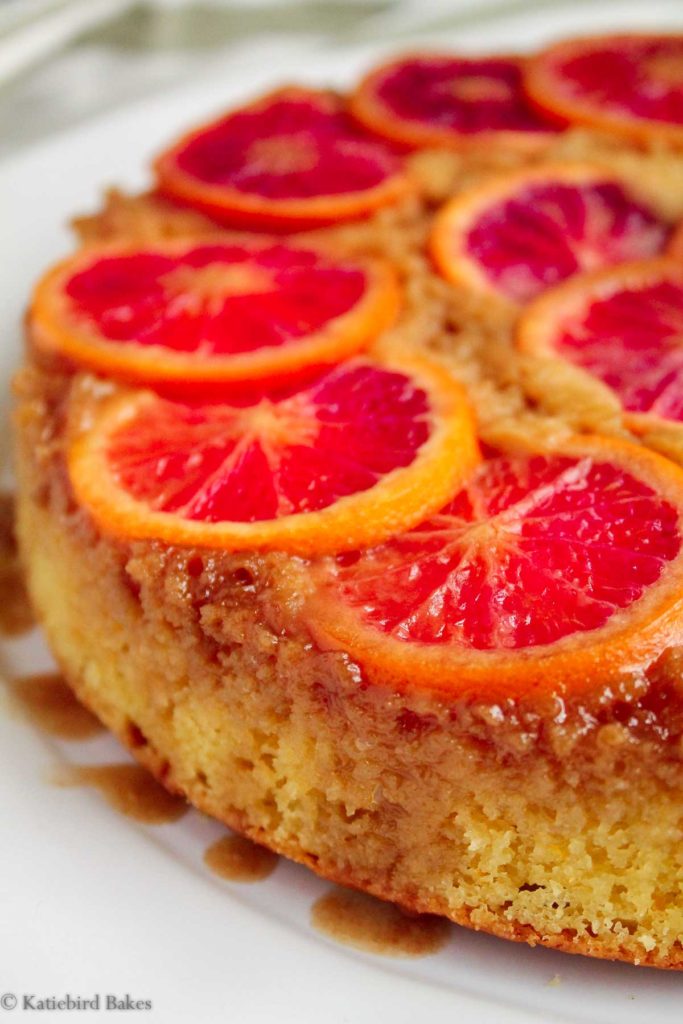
x=547 y=568
x=354 y=456
x=628 y=84
x=230 y=309
x=292 y=159
x=430 y=99
x=623 y=326
x=523 y=233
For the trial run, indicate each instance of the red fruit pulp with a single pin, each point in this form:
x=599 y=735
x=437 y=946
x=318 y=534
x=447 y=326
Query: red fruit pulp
x=214 y=299
x=532 y=550
x=633 y=341
x=551 y=230
x=292 y=148
x=301 y=453
x=459 y=95
x=632 y=76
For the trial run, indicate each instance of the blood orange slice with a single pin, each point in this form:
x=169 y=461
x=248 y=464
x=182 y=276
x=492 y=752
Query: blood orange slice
x=625 y=327
x=351 y=458
x=556 y=570
x=524 y=232
x=436 y=99
x=628 y=84
x=292 y=159
x=233 y=308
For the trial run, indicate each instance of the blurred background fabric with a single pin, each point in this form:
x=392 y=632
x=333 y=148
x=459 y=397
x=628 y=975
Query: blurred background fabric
x=63 y=61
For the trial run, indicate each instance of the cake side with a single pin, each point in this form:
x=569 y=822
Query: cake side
x=555 y=823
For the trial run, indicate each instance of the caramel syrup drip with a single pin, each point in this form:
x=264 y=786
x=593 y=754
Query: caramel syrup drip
x=129 y=789
x=240 y=860
x=51 y=705
x=358 y=920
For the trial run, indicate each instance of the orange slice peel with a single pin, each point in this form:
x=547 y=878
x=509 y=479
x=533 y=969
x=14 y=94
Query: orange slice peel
x=362 y=452
x=628 y=85
x=450 y=100
x=557 y=570
x=290 y=160
x=520 y=233
x=230 y=309
x=624 y=327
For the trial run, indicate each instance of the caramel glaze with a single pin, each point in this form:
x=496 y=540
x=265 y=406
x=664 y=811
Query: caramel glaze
x=52 y=706
x=239 y=860
x=645 y=704
x=358 y=920
x=127 y=788
x=16 y=615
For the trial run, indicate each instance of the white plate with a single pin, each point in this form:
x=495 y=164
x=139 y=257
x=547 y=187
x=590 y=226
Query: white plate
x=91 y=902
